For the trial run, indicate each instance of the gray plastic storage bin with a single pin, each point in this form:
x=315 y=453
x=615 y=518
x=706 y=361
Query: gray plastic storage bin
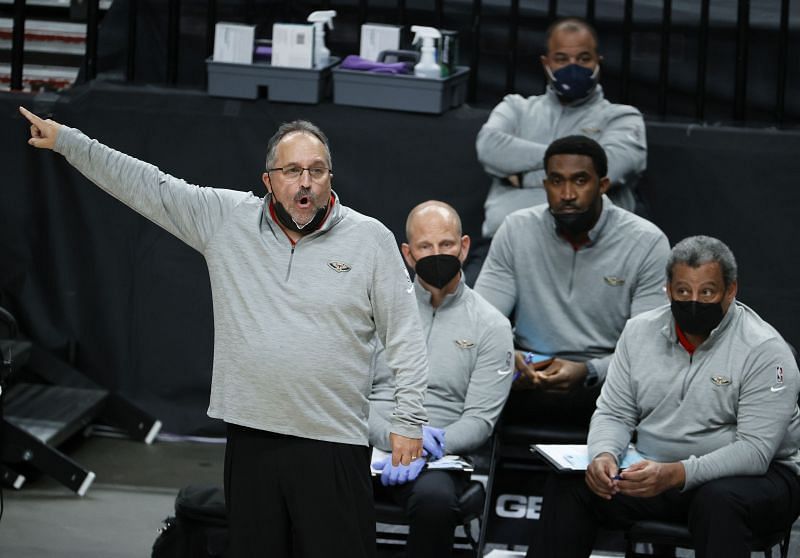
x=400 y=92
x=291 y=85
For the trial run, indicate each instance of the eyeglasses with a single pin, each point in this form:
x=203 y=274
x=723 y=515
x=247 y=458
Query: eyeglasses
x=293 y=173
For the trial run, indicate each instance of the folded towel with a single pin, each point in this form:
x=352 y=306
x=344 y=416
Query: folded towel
x=354 y=62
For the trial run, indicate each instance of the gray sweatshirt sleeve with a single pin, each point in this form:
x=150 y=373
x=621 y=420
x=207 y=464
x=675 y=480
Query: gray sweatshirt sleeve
x=189 y=212
x=496 y=281
x=486 y=393
x=763 y=418
x=617 y=414
x=398 y=327
x=379 y=427
x=651 y=279
x=500 y=149
x=625 y=143
x=600 y=367
x=381 y=401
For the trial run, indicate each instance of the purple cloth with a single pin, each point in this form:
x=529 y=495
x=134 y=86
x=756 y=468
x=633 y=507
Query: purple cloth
x=264 y=50
x=354 y=62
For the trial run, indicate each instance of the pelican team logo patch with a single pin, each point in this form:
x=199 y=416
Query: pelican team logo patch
x=464 y=343
x=720 y=380
x=339 y=267
x=614 y=281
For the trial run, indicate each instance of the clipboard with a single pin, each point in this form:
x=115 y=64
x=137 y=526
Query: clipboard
x=575 y=457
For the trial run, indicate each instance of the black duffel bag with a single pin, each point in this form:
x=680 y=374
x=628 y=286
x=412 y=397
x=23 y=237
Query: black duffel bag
x=199 y=528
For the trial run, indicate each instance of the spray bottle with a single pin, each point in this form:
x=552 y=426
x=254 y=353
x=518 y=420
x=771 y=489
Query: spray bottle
x=427 y=67
x=320 y=19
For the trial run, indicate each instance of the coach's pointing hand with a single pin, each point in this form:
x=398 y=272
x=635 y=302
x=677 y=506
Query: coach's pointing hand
x=43 y=132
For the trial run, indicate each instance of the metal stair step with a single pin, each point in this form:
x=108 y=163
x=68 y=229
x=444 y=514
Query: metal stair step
x=52 y=413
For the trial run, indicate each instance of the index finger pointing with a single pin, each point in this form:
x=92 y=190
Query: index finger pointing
x=32 y=118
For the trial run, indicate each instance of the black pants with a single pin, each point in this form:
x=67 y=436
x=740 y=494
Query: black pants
x=431 y=503
x=721 y=514
x=297 y=498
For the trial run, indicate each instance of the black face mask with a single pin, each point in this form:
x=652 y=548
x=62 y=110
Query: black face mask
x=286 y=219
x=438 y=270
x=697 y=318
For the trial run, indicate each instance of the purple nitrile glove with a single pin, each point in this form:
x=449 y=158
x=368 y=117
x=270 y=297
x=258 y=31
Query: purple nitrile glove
x=393 y=475
x=433 y=441
x=353 y=62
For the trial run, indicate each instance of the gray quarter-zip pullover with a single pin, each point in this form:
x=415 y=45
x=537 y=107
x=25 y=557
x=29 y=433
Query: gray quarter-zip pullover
x=471 y=368
x=519 y=129
x=573 y=303
x=293 y=325
x=728 y=409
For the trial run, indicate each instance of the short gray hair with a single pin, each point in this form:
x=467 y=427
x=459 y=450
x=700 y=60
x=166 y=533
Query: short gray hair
x=695 y=251
x=301 y=126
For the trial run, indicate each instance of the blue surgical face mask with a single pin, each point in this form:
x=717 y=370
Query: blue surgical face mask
x=573 y=82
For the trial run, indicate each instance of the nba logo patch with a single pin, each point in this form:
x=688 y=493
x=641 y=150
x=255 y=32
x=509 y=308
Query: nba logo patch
x=778 y=385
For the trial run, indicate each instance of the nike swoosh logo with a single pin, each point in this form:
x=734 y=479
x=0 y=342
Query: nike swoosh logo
x=503 y=372
x=773 y=389
x=410 y=289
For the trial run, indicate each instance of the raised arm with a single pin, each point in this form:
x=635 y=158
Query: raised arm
x=191 y=213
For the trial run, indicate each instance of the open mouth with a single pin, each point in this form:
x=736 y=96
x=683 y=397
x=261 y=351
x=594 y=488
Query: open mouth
x=303 y=202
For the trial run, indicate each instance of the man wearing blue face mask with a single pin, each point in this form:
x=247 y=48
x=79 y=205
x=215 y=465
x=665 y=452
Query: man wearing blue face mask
x=470 y=350
x=710 y=389
x=511 y=144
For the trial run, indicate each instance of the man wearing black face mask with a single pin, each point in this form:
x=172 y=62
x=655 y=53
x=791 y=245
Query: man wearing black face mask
x=573 y=271
x=511 y=144
x=711 y=391
x=470 y=351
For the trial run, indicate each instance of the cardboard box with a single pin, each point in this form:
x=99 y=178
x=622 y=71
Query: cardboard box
x=234 y=42
x=400 y=92
x=293 y=45
x=376 y=37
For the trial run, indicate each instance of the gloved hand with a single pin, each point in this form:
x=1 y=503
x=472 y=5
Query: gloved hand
x=392 y=475
x=433 y=441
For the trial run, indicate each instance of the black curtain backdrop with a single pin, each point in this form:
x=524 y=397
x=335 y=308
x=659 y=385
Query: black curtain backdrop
x=77 y=267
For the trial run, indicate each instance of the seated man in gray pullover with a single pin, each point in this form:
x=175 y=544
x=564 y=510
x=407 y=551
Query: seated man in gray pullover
x=511 y=143
x=571 y=272
x=470 y=353
x=710 y=390
x=300 y=286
